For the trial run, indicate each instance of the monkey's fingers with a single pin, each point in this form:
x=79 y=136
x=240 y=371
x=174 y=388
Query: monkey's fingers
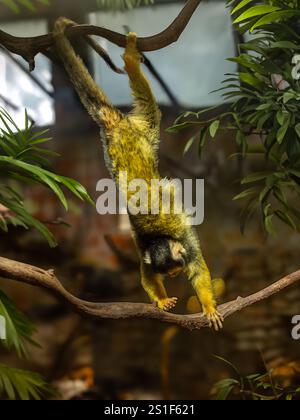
x=215 y=321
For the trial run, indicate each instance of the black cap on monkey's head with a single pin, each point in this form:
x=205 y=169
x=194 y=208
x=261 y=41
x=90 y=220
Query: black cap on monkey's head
x=165 y=256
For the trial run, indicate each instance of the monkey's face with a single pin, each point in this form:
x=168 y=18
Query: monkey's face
x=166 y=256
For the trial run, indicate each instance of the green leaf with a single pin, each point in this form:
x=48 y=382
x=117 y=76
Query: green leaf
x=288 y=96
x=280 y=117
x=202 y=140
x=262 y=107
x=286 y=219
x=269 y=224
x=256 y=11
x=24 y=385
x=270 y=18
x=258 y=176
x=241 y=5
x=11 y=4
x=264 y=194
x=225 y=387
x=250 y=80
x=285 y=45
x=283 y=130
x=241 y=140
x=294 y=172
x=247 y=193
x=18 y=329
x=28 y=4
x=297 y=129
x=279 y=194
x=262 y=120
x=246 y=61
x=188 y=145
x=213 y=128
x=21 y=217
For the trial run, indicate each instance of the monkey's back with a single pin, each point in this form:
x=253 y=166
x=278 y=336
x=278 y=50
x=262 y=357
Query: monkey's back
x=130 y=151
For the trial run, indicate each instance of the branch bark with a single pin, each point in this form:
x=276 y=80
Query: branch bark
x=23 y=273
x=29 y=47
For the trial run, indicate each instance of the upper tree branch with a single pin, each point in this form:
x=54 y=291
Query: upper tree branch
x=13 y=270
x=29 y=47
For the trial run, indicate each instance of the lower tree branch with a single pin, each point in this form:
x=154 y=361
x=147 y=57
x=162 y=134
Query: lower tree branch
x=23 y=273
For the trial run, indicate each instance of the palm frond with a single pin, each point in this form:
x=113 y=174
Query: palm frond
x=19 y=329
x=17 y=5
x=23 y=160
x=23 y=385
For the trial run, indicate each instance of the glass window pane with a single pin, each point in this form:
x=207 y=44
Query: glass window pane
x=192 y=67
x=17 y=89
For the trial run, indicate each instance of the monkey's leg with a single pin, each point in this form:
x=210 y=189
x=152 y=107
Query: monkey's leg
x=92 y=97
x=153 y=285
x=146 y=109
x=203 y=286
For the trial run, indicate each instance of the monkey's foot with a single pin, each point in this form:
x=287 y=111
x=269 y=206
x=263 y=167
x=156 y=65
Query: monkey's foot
x=215 y=319
x=131 y=41
x=167 y=304
x=132 y=57
x=62 y=24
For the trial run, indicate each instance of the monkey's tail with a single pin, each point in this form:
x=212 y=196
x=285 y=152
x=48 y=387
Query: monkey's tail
x=92 y=97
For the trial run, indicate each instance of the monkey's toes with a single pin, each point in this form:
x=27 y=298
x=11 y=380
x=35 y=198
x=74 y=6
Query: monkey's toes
x=167 y=304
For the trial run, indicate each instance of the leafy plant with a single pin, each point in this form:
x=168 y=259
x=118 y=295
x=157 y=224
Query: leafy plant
x=22 y=159
x=265 y=101
x=123 y=4
x=16 y=383
x=19 y=330
x=262 y=387
x=17 y=5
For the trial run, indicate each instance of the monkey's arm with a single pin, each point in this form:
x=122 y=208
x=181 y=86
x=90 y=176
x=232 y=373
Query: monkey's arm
x=154 y=286
x=146 y=109
x=92 y=97
x=200 y=278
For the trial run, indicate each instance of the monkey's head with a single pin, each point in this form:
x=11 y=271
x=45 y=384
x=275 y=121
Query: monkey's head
x=166 y=256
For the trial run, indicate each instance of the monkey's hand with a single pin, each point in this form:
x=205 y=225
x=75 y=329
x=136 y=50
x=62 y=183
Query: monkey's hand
x=132 y=57
x=215 y=319
x=167 y=304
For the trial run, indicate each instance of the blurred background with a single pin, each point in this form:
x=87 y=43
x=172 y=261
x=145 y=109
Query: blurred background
x=96 y=258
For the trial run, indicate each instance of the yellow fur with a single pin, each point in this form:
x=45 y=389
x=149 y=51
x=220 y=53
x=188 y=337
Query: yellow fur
x=131 y=144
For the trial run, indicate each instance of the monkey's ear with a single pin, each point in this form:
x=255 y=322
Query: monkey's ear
x=178 y=252
x=147 y=258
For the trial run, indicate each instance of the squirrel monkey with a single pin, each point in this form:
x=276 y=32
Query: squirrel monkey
x=166 y=243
